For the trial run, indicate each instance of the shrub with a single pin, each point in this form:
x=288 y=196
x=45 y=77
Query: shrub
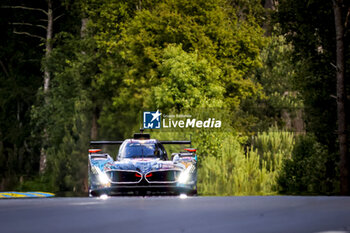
x=251 y=171
x=310 y=170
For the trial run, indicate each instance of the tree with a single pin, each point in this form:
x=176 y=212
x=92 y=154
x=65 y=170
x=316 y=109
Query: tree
x=186 y=83
x=280 y=102
x=209 y=27
x=306 y=171
x=340 y=25
x=20 y=78
x=73 y=64
x=48 y=49
x=317 y=31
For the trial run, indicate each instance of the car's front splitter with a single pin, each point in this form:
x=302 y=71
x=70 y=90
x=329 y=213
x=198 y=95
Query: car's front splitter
x=143 y=190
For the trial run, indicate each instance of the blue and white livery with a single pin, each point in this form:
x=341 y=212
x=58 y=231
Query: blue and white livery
x=142 y=167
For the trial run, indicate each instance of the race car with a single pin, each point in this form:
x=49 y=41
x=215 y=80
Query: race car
x=142 y=167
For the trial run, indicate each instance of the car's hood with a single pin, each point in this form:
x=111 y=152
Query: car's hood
x=143 y=165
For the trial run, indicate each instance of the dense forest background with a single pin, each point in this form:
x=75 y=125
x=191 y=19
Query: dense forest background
x=72 y=71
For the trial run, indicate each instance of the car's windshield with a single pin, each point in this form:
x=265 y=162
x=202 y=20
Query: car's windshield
x=140 y=150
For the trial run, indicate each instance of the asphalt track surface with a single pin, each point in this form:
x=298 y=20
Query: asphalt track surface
x=270 y=214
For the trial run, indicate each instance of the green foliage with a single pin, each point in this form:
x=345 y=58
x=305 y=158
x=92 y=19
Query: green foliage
x=106 y=20
x=277 y=74
x=167 y=55
x=280 y=102
x=38 y=183
x=186 y=82
x=201 y=26
x=67 y=117
x=273 y=147
x=67 y=166
x=310 y=169
x=20 y=79
x=310 y=28
x=246 y=171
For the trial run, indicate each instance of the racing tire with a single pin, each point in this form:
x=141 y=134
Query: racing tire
x=192 y=192
x=93 y=194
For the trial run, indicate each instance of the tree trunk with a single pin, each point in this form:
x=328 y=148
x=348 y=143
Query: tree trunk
x=269 y=6
x=84 y=22
x=48 y=47
x=47 y=77
x=139 y=6
x=341 y=99
x=2 y=156
x=83 y=34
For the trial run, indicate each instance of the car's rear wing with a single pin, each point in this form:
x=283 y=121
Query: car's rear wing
x=142 y=136
x=106 y=142
x=176 y=142
x=120 y=142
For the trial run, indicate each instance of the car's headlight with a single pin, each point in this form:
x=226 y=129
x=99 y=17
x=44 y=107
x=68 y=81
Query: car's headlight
x=103 y=178
x=183 y=178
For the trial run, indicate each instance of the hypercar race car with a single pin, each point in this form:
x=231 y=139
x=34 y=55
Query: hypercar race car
x=142 y=168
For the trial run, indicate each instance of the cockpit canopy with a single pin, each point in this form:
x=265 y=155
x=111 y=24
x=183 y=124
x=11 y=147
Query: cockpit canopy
x=131 y=149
